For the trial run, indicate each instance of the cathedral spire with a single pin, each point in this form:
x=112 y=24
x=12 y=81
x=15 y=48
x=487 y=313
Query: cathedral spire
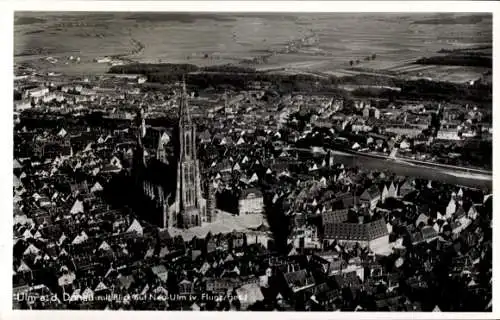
x=189 y=208
x=184 y=115
x=139 y=160
x=141 y=123
x=184 y=92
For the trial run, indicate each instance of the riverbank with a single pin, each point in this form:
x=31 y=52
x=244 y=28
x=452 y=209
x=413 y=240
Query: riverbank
x=403 y=168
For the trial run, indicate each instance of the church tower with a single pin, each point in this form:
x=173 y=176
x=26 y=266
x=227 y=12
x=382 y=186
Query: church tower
x=139 y=162
x=161 y=151
x=189 y=209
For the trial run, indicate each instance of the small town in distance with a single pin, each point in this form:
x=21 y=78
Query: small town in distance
x=217 y=182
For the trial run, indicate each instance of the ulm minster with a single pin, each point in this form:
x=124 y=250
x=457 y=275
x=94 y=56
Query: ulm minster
x=260 y=162
x=189 y=208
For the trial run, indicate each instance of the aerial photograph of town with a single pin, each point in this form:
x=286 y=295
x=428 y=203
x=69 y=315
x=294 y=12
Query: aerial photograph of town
x=252 y=161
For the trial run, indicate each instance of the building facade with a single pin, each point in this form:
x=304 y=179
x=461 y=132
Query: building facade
x=373 y=235
x=251 y=201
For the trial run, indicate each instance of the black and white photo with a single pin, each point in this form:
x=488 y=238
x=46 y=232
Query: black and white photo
x=270 y=161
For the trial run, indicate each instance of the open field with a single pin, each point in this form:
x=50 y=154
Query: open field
x=449 y=73
x=455 y=74
x=208 y=39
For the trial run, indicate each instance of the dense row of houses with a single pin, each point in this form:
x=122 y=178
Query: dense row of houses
x=359 y=239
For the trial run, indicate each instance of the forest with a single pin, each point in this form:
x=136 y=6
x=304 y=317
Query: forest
x=464 y=60
x=240 y=78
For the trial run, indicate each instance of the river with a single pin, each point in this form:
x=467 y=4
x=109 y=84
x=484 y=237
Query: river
x=451 y=176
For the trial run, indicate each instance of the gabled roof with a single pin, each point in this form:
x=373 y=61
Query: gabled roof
x=135 y=227
x=149 y=253
x=77 y=207
x=88 y=147
x=87 y=293
x=205 y=136
x=100 y=287
x=371 y=193
x=100 y=140
x=407 y=185
x=254 y=178
x=240 y=141
x=195 y=307
x=104 y=246
x=159 y=269
x=31 y=250
x=421 y=218
x=62 y=133
x=23 y=267
x=428 y=232
x=335 y=216
x=298 y=280
x=229 y=258
x=355 y=231
x=27 y=234
x=164 y=138
x=17 y=164
x=96 y=187
x=251 y=292
x=293 y=252
x=126 y=281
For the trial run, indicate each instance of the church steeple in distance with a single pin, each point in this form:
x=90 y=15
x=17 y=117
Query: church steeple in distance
x=139 y=161
x=184 y=115
x=141 y=123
